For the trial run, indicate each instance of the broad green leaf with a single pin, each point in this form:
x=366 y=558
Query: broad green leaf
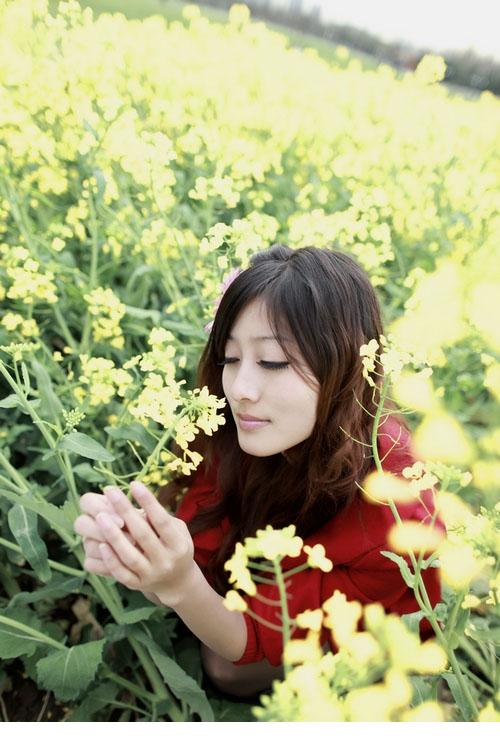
x=422 y=689
x=141 y=313
x=181 y=684
x=54 y=515
x=87 y=472
x=59 y=586
x=458 y=694
x=13 y=401
x=130 y=617
x=226 y=710
x=83 y=445
x=96 y=700
x=51 y=406
x=134 y=432
x=488 y=635
x=412 y=621
x=68 y=673
x=24 y=525
x=14 y=641
x=406 y=573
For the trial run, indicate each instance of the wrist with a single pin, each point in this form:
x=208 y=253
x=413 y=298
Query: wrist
x=176 y=596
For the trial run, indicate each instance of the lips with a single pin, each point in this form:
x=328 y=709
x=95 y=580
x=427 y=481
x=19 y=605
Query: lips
x=250 y=418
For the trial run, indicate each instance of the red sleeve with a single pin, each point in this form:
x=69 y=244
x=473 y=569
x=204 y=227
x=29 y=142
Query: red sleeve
x=374 y=578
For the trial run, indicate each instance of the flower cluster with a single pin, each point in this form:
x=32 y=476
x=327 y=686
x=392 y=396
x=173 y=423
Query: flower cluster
x=342 y=686
x=107 y=311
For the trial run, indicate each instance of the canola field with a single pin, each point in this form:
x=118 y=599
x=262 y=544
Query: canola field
x=141 y=161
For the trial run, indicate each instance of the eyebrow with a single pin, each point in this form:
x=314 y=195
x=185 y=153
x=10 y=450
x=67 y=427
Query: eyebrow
x=260 y=338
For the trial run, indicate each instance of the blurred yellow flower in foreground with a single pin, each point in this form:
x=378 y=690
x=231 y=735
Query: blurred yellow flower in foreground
x=414 y=536
x=441 y=438
x=459 y=564
x=234 y=602
x=381 y=486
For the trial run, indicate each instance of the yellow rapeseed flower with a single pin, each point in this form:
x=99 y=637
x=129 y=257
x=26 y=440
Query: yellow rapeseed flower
x=441 y=438
x=274 y=543
x=342 y=616
x=311 y=619
x=427 y=711
x=414 y=536
x=459 y=564
x=316 y=557
x=234 y=602
x=240 y=575
x=381 y=486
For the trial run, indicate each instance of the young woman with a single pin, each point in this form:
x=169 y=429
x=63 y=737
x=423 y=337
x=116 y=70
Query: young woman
x=284 y=352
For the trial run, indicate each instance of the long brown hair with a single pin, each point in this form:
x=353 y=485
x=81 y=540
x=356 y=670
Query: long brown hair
x=328 y=304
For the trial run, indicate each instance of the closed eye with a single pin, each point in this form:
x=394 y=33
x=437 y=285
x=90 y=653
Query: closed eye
x=266 y=365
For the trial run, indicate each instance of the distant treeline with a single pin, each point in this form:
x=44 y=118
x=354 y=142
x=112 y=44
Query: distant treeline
x=462 y=68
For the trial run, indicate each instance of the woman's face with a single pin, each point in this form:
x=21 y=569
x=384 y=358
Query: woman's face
x=279 y=396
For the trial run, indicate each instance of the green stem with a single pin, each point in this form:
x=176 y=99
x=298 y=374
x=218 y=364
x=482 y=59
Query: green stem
x=159 y=446
x=35 y=635
x=93 y=276
x=64 y=328
x=61 y=456
x=471 y=652
x=420 y=590
x=285 y=615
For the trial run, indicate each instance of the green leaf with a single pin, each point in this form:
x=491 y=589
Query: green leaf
x=24 y=525
x=59 y=586
x=487 y=635
x=403 y=566
x=13 y=641
x=13 y=401
x=51 y=406
x=95 y=701
x=181 y=684
x=85 y=471
x=134 y=432
x=412 y=621
x=68 y=673
x=141 y=313
x=458 y=695
x=54 y=515
x=422 y=690
x=226 y=710
x=83 y=445
x=130 y=617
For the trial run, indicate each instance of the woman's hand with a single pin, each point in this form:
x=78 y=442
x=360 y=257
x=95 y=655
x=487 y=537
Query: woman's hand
x=155 y=556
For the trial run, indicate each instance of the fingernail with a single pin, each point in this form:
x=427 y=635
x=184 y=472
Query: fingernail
x=104 y=521
x=117 y=519
x=113 y=493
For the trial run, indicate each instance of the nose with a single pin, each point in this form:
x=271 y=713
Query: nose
x=243 y=383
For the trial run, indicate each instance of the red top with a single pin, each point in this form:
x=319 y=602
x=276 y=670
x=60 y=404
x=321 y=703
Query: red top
x=353 y=540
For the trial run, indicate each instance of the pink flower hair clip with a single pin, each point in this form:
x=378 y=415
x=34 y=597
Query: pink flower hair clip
x=225 y=284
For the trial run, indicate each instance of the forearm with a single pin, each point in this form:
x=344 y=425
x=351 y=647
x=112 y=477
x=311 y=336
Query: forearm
x=202 y=609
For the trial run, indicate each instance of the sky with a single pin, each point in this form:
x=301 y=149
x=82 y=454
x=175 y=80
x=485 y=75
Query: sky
x=436 y=24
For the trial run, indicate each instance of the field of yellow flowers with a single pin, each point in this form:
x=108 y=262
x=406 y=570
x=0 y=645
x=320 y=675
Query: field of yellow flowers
x=140 y=162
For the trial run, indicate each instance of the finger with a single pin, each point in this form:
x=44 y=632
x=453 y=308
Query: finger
x=92 y=504
x=117 y=569
x=86 y=526
x=129 y=555
x=91 y=546
x=165 y=525
x=138 y=525
x=97 y=566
